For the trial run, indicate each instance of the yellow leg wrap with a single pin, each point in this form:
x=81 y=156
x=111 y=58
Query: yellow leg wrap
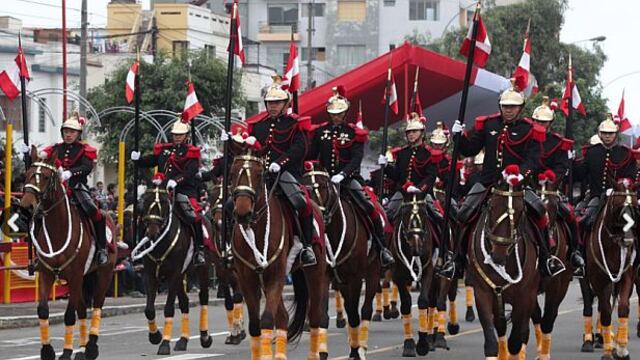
x=204 y=318
x=622 y=336
x=153 y=327
x=238 y=313
x=230 y=320
x=281 y=345
x=354 y=337
x=266 y=337
x=68 y=337
x=364 y=334
x=84 y=332
x=394 y=293
x=314 y=343
x=588 y=328
x=522 y=355
x=453 y=312
x=545 y=346
x=379 y=302
x=469 y=296
x=599 y=325
x=255 y=348
x=442 y=321
x=44 y=332
x=168 y=329
x=385 y=296
x=607 y=345
x=538 y=334
x=430 y=319
x=503 y=350
x=96 y=317
x=339 y=302
x=322 y=341
x=423 y=320
x=184 y=326
x=406 y=324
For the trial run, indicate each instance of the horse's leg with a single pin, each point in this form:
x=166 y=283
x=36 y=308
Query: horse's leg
x=352 y=303
x=440 y=289
x=536 y=318
x=427 y=283
x=519 y=326
x=587 y=315
x=393 y=308
x=637 y=286
x=75 y=294
x=484 y=305
x=409 y=346
x=151 y=285
x=469 y=316
x=453 y=326
x=432 y=314
x=273 y=297
x=386 y=283
x=323 y=308
x=604 y=306
x=174 y=283
x=229 y=308
x=45 y=282
x=622 y=333
x=366 y=312
x=282 y=323
x=104 y=275
x=183 y=303
x=317 y=288
x=203 y=296
x=238 y=310
x=251 y=292
x=341 y=322
x=83 y=330
x=378 y=315
x=556 y=292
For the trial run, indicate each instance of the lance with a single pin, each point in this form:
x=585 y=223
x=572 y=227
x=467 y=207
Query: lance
x=414 y=94
x=383 y=149
x=136 y=147
x=568 y=129
x=194 y=141
x=296 y=109
x=456 y=139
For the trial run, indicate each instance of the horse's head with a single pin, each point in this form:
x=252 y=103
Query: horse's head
x=318 y=182
x=619 y=211
x=549 y=194
x=247 y=172
x=216 y=205
x=505 y=212
x=157 y=208
x=42 y=182
x=413 y=215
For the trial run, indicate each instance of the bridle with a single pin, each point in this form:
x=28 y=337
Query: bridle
x=415 y=223
x=157 y=203
x=507 y=216
x=36 y=189
x=247 y=189
x=329 y=205
x=627 y=213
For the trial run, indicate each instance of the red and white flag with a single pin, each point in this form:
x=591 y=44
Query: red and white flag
x=393 y=96
x=522 y=71
x=10 y=76
x=571 y=90
x=236 y=36
x=291 y=79
x=623 y=122
x=483 y=45
x=192 y=106
x=359 y=123
x=130 y=87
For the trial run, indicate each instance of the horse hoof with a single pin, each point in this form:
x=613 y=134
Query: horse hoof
x=155 y=338
x=91 y=350
x=47 y=353
x=394 y=312
x=587 y=346
x=423 y=344
x=354 y=354
x=220 y=292
x=164 y=348
x=378 y=317
x=431 y=339
x=341 y=323
x=237 y=339
x=66 y=354
x=453 y=329
x=621 y=357
x=598 y=341
x=324 y=356
x=205 y=340
x=181 y=344
x=230 y=340
x=79 y=356
x=243 y=335
x=409 y=348
x=440 y=341
x=386 y=313
x=470 y=316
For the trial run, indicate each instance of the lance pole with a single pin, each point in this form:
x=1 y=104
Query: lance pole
x=385 y=132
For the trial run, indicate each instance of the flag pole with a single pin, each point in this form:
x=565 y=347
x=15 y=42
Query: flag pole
x=456 y=138
x=414 y=94
x=227 y=125
x=194 y=141
x=296 y=109
x=568 y=129
x=136 y=147
x=25 y=138
x=383 y=149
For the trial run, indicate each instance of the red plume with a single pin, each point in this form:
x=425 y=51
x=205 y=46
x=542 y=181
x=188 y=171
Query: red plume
x=550 y=175
x=512 y=169
x=81 y=120
x=341 y=90
x=554 y=104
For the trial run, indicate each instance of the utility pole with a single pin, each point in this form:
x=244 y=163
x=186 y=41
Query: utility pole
x=310 y=31
x=83 y=54
x=154 y=38
x=64 y=60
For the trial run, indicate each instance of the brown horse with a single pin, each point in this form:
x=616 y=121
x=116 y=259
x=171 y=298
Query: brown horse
x=167 y=250
x=502 y=268
x=348 y=253
x=264 y=248
x=610 y=251
x=62 y=238
x=412 y=247
x=554 y=289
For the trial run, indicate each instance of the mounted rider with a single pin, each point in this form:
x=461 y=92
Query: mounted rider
x=555 y=159
x=439 y=140
x=339 y=147
x=179 y=161
x=506 y=139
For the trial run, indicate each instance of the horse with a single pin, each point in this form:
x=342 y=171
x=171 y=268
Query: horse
x=413 y=250
x=554 y=289
x=502 y=267
x=348 y=253
x=264 y=251
x=65 y=250
x=610 y=253
x=166 y=249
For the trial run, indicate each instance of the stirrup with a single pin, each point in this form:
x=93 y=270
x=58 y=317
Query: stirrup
x=102 y=258
x=578 y=272
x=447 y=270
x=307 y=257
x=554 y=266
x=386 y=259
x=198 y=257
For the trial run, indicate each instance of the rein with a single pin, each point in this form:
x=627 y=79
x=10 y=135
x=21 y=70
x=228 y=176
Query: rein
x=417 y=208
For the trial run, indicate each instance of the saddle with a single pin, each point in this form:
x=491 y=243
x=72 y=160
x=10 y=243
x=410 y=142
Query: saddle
x=187 y=217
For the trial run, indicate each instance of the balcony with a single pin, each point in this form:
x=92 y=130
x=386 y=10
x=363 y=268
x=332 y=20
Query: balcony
x=276 y=32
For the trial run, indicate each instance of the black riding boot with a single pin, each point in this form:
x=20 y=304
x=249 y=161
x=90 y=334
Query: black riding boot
x=550 y=264
x=198 y=254
x=575 y=251
x=386 y=258
x=101 y=241
x=307 y=256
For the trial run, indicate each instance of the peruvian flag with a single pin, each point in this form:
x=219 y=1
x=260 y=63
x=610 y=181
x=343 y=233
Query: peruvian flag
x=483 y=45
x=624 y=122
x=291 y=80
x=417 y=106
x=192 y=106
x=393 y=96
x=359 y=123
x=10 y=76
x=236 y=36
x=571 y=90
x=130 y=87
x=522 y=71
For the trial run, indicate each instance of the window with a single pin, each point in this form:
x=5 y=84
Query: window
x=318 y=10
x=180 y=49
x=351 y=54
x=424 y=10
x=210 y=51
x=389 y=2
x=317 y=54
x=352 y=10
x=42 y=115
x=283 y=14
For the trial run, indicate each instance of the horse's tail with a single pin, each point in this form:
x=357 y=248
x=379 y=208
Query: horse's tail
x=88 y=287
x=298 y=309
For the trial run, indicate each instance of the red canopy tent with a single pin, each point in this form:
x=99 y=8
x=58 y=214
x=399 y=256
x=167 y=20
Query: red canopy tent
x=440 y=86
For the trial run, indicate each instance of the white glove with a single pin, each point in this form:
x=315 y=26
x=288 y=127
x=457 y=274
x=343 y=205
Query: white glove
x=413 y=190
x=251 y=140
x=274 y=167
x=337 y=179
x=141 y=190
x=65 y=175
x=135 y=155
x=457 y=127
x=385 y=201
x=571 y=154
x=24 y=148
x=171 y=184
x=382 y=160
x=224 y=136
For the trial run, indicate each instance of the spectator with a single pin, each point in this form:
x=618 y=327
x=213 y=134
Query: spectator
x=101 y=195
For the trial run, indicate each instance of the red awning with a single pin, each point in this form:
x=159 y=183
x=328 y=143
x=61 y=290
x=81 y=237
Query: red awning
x=440 y=85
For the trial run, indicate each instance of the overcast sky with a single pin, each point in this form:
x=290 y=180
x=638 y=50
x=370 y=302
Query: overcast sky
x=584 y=19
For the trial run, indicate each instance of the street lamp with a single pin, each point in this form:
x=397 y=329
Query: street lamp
x=594 y=39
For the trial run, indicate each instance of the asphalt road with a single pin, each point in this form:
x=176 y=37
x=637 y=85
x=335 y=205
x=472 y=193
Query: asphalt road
x=125 y=337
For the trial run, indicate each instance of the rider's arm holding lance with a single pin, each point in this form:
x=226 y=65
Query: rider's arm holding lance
x=472 y=142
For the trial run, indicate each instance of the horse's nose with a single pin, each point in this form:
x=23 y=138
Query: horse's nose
x=498 y=259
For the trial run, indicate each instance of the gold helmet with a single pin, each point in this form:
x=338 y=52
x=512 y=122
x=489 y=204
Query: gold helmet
x=439 y=135
x=337 y=103
x=415 y=122
x=479 y=159
x=75 y=122
x=543 y=112
x=512 y=96
x=180 y=128
x=275 y=92
x=594 y=140
x=608 y=126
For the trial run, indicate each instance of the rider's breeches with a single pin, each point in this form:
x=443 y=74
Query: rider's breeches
x=196 y=208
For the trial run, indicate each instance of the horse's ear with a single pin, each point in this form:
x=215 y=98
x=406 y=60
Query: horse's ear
x=236 y=148
x=34 y=153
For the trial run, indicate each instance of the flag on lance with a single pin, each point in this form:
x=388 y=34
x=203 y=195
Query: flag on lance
x=236 y=36
x=483 y=45
x=130 y=86
x=522 y=71
x=192 y=106
x=393 y=96
x=291 y=79
x=571 y=91
x=10 y=76
x=623 y=122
